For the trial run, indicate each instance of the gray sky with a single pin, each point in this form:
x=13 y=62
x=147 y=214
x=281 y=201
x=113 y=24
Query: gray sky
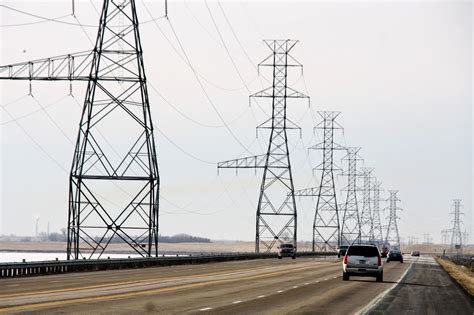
x=400 y=73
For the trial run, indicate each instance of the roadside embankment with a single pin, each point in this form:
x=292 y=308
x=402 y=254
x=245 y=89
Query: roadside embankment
x=460 y=273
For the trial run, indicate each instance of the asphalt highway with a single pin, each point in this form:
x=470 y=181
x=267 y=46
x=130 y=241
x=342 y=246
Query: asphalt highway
x=266 y=286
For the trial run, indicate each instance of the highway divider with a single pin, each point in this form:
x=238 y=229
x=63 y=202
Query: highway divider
x=22 y=269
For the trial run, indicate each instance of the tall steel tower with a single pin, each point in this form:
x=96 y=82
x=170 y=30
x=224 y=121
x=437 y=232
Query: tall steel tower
x=114 y=180
x=392 y=237
x=326 y=225
x=456 y=236
x=377 y=223
x=350 y=227
x=276 y=209
x=366 y=218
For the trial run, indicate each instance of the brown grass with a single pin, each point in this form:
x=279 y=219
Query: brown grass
x=461 y=274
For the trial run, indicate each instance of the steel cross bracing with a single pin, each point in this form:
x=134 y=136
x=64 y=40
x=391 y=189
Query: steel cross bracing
x=392 y=237
x=366 y=216
x=456 y=234
x=350 y=227
x=114 y=180
x=326 y=225
x=377 y=223
x=276 y=209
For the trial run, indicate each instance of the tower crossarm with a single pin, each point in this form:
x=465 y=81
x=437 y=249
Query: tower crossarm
x=307 y=192
x=257 y=161
x=75 y=66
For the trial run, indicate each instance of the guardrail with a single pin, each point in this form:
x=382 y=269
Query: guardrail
x=21 y=269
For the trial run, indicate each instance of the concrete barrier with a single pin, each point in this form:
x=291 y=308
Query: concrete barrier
x=22 y=269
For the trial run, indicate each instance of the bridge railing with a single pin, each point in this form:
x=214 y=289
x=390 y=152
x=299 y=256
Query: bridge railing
x=21 y=269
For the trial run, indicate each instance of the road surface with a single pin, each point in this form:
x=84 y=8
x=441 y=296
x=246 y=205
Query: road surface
x=267 y=286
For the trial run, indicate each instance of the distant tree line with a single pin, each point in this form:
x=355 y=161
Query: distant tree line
x=62 y=237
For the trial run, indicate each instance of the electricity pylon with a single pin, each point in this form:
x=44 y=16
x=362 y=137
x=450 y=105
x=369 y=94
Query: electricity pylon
x=377 y=224
x=456 y=236
x=114 y=180
x=350 y=227
x=366 y=217
x=276 y=209
x=326 y=225
x=392 y=237
x=445 y=236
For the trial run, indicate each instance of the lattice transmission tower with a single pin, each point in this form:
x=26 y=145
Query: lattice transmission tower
x=392 y=237
x=350 y=227
x=377 y=223
x=114 y=180
x=276 y=209
x=456 y=234
x=326 y=224
x=366 y=215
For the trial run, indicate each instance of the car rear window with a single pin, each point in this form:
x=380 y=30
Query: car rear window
x=366 y=251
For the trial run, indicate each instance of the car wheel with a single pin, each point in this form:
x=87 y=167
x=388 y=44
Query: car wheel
x=388 y=260
x=279 y=257
x=293 y=257
x=380 y=278
x=345 y=276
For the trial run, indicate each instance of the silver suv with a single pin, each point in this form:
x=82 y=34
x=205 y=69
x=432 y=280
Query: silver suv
x=362 y=261
x=286 y=250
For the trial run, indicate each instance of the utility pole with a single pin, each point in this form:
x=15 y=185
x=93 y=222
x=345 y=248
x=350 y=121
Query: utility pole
x=366 y=217
x=392 y=237
x=276 y=209
x=456 y=236
x=326 y=225
x=377 y=223
x=350 y=227
x=114 y=180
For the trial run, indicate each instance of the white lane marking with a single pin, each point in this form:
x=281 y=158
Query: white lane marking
x=260 y=296
x=12 y=285
x=236 y=302
x=306 y=283
x=325 y=279
x=317 y=281
x=334 y=277
x=379 y=297
x=205 y=309
x=295 y=287
x=279 y=291
x=53 y=281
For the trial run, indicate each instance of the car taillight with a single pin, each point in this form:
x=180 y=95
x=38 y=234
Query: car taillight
x=345 y=259
x=380 y=261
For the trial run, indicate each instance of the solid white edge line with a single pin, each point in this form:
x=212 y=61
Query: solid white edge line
x=205 y=309
x=236 y=302
x=260 y=296
x=379 y=297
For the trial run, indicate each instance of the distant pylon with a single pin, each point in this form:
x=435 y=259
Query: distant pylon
x=392 y=237
x=326 y=225
x=350 y=227
x=377 y=223
x=276 y=208
x=366 y=218
x=456 y=236
x=445 y=236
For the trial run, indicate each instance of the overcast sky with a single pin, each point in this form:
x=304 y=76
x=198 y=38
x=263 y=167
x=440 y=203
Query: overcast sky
x=400 y=73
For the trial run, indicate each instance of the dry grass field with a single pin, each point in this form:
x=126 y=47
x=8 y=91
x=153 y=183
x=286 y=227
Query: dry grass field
x=461 y=274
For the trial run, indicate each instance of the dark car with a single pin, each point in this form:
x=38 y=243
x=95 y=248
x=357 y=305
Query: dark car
x=415 y=253
x=342 y=250
x=395 y=255
x=286 y=250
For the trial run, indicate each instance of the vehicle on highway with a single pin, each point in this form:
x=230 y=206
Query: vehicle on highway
x=415 y=253
x=395 y=255
x=286 y=250
x=342 y=250
x=384 y=251
x=362 y=261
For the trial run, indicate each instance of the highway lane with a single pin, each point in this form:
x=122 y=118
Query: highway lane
x=426 y=289
x=304 y=285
